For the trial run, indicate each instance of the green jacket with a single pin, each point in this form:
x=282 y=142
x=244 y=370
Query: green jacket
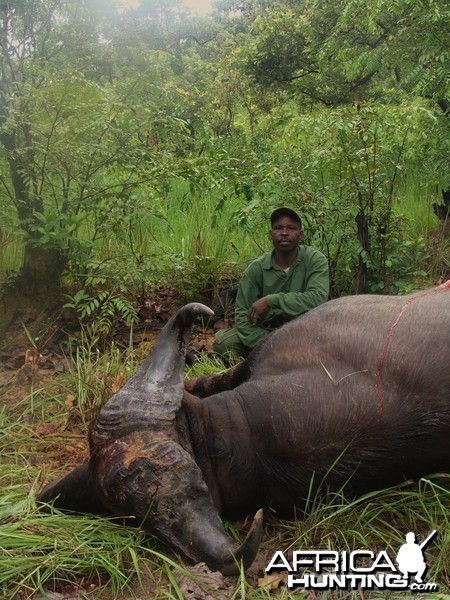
x=305 y=286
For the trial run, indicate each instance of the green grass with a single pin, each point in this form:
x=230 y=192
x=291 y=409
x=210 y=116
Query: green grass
x=415 y=199
x=198 y=232
x=91 y=374
x=11 y=251
x=196 y=238
x=41 y=549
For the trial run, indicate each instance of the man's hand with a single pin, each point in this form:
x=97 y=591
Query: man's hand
x=257 y=308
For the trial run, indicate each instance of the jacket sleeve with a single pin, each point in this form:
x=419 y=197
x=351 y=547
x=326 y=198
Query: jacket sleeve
x=250 y=289
x=294 y=303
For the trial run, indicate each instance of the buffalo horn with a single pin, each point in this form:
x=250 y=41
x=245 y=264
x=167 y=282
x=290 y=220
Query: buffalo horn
x=206 y=540
x=246 y=552
x=154 y=394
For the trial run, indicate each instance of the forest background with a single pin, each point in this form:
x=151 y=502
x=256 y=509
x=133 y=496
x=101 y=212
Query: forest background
x=148 y=145
x=143 y=149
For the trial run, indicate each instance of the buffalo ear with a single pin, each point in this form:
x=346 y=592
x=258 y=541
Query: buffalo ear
x=75 y=492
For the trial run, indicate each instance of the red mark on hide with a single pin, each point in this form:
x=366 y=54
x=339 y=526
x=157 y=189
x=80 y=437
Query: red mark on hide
x=441 y=288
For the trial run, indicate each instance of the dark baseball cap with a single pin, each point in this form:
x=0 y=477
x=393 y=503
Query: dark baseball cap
x=283 y=211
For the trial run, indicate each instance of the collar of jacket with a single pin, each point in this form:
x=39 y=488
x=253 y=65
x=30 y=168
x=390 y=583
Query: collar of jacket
x=268 y=263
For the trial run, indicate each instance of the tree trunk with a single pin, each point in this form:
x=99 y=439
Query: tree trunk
x=35 y=291
x=362 y=226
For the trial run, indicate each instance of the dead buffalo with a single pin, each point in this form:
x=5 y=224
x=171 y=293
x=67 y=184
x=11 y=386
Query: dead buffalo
x=352 y=396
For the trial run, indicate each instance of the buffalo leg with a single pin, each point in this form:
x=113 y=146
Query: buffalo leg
x=208 y=385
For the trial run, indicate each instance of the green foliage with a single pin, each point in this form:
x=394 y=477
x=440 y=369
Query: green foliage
x=395 y=262
x=145 y=148
x=140 y=149
x=347 y=50
x=404 y=38
x=335 y=165
x=101 y=309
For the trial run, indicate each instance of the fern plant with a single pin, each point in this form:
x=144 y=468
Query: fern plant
x=102 y=308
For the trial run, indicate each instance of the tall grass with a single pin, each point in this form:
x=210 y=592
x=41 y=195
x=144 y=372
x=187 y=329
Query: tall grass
x=52 y=549
x=196 y=238
x=201 y=233
x=200 y=239
x=415 y=199
x=379 y=520
x=188 y=239
x=92 y=376
x=11 y=250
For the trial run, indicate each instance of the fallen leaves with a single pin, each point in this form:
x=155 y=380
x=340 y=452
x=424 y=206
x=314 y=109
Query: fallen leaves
x=202 y=584
x=69 y=402
x=118 y=382
x=45 y=429
x=272 y=582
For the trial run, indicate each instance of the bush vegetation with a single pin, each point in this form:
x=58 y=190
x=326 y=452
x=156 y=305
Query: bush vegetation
x=147 y=146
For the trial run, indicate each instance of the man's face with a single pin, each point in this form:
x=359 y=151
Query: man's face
x=285 y=234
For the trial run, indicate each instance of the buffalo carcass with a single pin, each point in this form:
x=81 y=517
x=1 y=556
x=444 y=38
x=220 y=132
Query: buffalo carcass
x=353 y=395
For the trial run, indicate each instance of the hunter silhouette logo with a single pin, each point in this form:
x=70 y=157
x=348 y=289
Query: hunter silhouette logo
x=359 y=569
x=410 y=558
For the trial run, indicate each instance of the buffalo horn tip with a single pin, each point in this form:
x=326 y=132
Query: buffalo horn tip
x=247 y=551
